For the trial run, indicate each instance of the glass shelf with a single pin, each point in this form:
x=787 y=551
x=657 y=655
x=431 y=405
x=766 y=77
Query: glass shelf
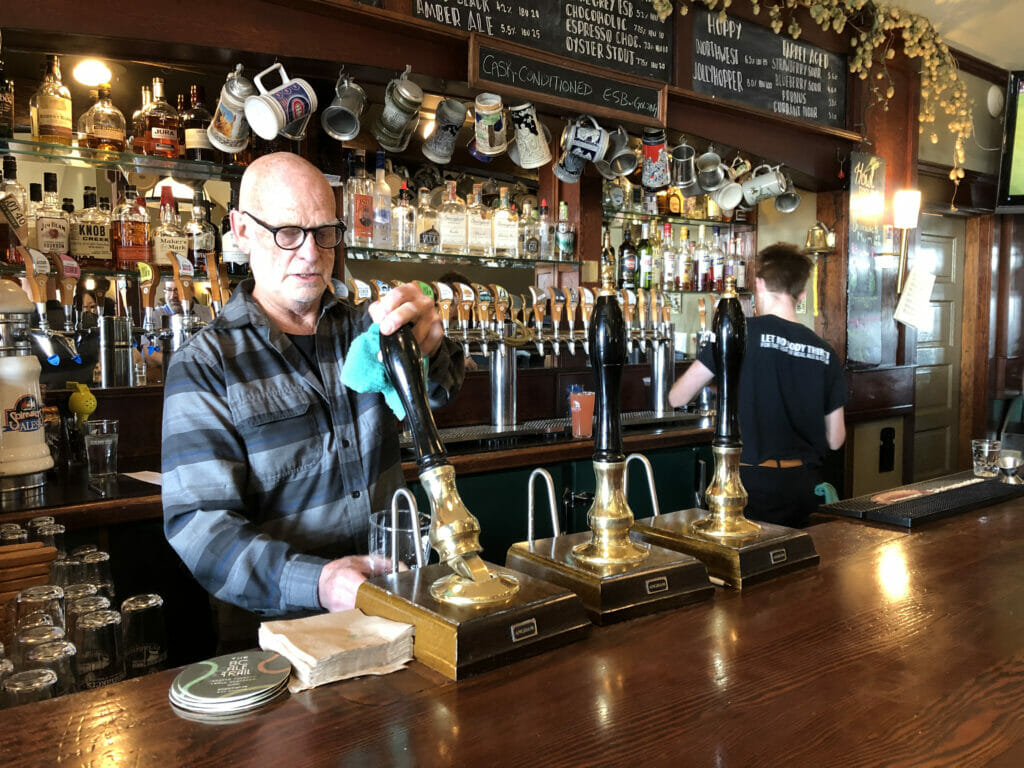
x=130 y=164
x=705 y=293
x=421 y=257
x=611 y=215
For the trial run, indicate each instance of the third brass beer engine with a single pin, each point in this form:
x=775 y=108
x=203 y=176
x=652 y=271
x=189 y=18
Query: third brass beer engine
x=616 y=577
x=469 y=615
x=736 y=550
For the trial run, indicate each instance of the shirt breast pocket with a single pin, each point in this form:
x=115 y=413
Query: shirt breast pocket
x=281 y=440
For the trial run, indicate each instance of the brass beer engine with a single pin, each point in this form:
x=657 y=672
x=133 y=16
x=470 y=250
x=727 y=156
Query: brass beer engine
x=469 y=615
x=617 y=577
x=736 y=550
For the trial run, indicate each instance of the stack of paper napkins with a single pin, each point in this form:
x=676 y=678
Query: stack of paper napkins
x=336 y=646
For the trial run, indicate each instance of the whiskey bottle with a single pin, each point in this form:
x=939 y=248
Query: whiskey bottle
x=6 y=102
x=452 y=221
x=138 y=139
x=169 y=238
x=701 y=262
x=717 y=261
x=657 y=258
x=11 y=185
x=684 y=259
x=427 y=234
x=130 y=231
x=50 y=108
x=236 y=260
x=505 y=228
x=403 y=221
x=52 y=222
x=90 y=234
x=645 y=255
x=529 y=231
x=479 y=239
x=195 y=121
x=361 y=204
x=627 y=260
x=381 y=205
x=179 y=107
x=104 y=124
x=160 y=125
x=607 y=250
x=202 y=237
x=67 y=205
x=94 y=96
x=669 y=259
x=35 y=203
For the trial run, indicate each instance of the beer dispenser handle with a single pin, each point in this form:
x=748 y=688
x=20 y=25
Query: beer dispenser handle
x=402 y=357
x=730 y=333
x=607 y=343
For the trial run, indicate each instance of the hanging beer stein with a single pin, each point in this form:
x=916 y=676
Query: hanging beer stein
x=398 y=120
x=341 y=119
x=655 y=173
x=532 y=148
x=229 y=130
x=284 y=109
x=448 y=119
x=489 y=119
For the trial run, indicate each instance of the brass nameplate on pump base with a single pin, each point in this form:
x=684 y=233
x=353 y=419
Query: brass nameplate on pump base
x=662 y=580
x=738 y=561
x=463 y=640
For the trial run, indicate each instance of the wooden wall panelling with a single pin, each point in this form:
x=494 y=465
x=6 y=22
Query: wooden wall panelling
x=974 y=340
x=833 y=211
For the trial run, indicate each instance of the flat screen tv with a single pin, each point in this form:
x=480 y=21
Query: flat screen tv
x=1010 y=196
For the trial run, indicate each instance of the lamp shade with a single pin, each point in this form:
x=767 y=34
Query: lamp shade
x=906 y=205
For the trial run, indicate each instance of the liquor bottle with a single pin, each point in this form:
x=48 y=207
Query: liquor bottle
x=179 y=107
x=104 y=205
x=121 y=230
x=90 y=234
x=701 y=263
x=202 y=237
x=169 y=237
x=565 y=235
x=714 y=212
x=160 y=121
x=381 y=206
x=346 y=194
x=11 y=185
x=547 y=232
x=195 y=120
x=505 y=228
x=657 y=258
x=669 y=259
x=428 y=236
x=6 y=102
x=361 y=203
x=717 y=261
x=607 y=250
x=479 y=239
x=237 y=260
x=529 y=233
x=403 y=221
x=94 y=96
x=645 y=255
x=50 y=108
x=67 y=205
x=103 y=124
x=684 y=262
x=35 y=204
x=452 y=221
x=52 y=222
x=740 y=264
x=138 y=140
x=627 y=260
x=676 y=201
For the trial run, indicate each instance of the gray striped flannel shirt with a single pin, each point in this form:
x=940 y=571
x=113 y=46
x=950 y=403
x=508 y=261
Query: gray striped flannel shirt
x=268 y=470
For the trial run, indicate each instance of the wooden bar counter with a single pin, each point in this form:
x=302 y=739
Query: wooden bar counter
x=900 y=649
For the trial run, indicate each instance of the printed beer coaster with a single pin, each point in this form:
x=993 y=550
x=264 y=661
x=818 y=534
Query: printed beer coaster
x=236 y=682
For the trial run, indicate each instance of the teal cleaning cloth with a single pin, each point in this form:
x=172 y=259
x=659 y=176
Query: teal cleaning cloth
x=363 y=370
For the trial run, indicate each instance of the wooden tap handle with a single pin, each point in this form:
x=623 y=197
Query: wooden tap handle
x=183 y=274
x=68 y=273
x=37 y=268
x=213 y=275
x=147 y=284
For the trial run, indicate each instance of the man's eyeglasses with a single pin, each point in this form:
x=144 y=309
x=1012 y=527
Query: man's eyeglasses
x=291 y=237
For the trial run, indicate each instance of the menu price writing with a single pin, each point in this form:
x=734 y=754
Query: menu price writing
x=740 y=61
x=625 y=35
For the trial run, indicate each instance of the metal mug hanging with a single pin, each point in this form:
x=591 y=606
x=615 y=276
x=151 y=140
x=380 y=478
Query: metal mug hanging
x=396 y=122
x=683 y=174
x=532 y=139
x=340 y=120
x=449 y=117
x=655 y=174
x=619 y=155
x=765 y=182
x=569 y=167
x=789 y=200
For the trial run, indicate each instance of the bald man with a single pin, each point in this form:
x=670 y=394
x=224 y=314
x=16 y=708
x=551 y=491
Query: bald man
x=271 y=467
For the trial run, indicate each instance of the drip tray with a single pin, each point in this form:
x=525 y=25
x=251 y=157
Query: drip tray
x=489 y=438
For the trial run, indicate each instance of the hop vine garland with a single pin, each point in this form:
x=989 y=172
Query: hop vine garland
x=877 y=29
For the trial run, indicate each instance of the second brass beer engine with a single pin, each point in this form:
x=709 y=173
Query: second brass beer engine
x=469 y=615
x=736 y=550
x=617 y=577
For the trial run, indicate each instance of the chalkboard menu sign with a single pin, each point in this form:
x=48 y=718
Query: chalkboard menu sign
x=740 y=61
x=621 y=34
x=541 y=77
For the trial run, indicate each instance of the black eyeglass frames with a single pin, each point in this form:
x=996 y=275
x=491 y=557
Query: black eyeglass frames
x=291 y=237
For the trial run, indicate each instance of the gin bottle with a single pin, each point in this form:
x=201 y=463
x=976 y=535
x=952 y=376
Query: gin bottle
x=403 y=221
x=478 y=225
x=452 y=221
x=505 y=228
x=427 y=234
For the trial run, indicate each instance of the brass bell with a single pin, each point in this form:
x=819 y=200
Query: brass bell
x=820 y=239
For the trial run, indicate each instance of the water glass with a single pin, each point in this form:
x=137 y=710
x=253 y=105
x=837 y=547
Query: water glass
x=29 y=686
x=387 y=542
x=100 y=658
x=96 y=567
x=28 y=639
x=986 y=457
x=43 y=598
x=58 y=656
x=101 y=448
x=64 y=572
x=82 y=606
x=145 y=635
x=51 y=535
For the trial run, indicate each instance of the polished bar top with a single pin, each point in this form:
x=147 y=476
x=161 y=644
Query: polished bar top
x=900 y=649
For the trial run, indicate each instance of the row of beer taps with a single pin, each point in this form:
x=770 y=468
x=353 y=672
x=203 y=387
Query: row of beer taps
x=486 y=315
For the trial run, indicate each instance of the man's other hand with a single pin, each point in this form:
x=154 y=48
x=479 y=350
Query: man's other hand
x=340 y=579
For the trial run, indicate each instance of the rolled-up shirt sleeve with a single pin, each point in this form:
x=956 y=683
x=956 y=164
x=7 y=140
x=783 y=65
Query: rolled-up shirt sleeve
x=205 y=469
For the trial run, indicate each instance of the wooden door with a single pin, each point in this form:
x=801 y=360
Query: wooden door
x=937 y=380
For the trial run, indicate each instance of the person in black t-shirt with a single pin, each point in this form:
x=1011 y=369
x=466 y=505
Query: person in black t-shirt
x=791 y=394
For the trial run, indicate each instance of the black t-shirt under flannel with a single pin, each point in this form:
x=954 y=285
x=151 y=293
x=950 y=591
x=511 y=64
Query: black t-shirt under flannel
x=790 y=380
